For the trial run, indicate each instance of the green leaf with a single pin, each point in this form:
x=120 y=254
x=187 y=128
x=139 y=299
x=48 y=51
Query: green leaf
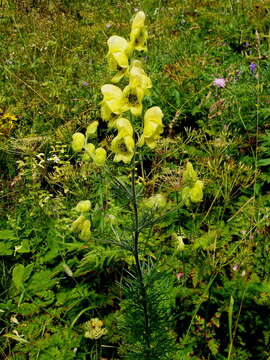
x=20 y=274
x=7 y=235
x=264 y=162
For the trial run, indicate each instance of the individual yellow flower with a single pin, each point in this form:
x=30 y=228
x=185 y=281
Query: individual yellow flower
x=133 y=99
x=124 y=127
x=92 y=129
x=112 y=103
x=89 y=152
x=123 y=147
x=153 y=127
x=85 y=230
x=97 y=155
x=193 y=188
x=6 y=123
x=189 y=174
x=83 y=206
x=78 y=141
x=117 y=56
x=138 y=35
x=76 y=225
x=100 y=156
x=196 y=192
x=138 y=77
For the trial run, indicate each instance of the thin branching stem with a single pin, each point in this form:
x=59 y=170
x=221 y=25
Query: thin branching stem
x=136 y=233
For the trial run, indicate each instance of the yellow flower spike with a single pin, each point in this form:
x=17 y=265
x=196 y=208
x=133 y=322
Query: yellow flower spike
x=100 y=156
x=196 y=192
x=83 y=206
x=138 y=77
x=124 y=127
x=153 y=127
x=76 y=225
x=189 y=174
x=92 y=129
x=138 y=35
x=77 y=142
x=117 y=57
x=123 y=147
x=113 y=101
x=133 y=98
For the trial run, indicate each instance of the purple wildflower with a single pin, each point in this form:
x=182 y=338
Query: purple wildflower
x=85 y=83
x=252 y=67
x=220 y=82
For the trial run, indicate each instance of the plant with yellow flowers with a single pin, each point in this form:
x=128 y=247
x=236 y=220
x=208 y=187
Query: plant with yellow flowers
x=122 y=107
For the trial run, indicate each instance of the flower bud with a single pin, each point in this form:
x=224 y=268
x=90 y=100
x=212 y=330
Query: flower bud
x=76 y=225
x=189 y=174
x=86 y=232
x=100 y=156
x=92 y=129
x=77 y=142
x=196 y=193
x=83 y=206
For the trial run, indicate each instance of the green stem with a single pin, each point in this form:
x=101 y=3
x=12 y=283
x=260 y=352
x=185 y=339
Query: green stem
x=137 y=261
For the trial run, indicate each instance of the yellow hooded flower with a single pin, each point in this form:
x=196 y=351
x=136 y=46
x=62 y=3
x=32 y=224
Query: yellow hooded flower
x=92 y=129
x=189 y=174
x=193 y=188
x=138 y=77
x=83 y=206
x=123 y=144
x=117 y=56
x=138 y=35
x=112 y=103
x=76 y=225
x=89 y=152
x=124 y=127
x=97 y=155
x=133 y=99
x=196 y=192
x=85 y=230
x=153 y=127
x=100 y=156
x=77 y=142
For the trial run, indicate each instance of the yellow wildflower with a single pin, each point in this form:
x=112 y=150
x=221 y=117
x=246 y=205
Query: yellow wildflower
x=196 y=192
x=100 y=156
x=138 y=77
x=112 y=103
x=77 y=142
x=124 y=127
x=123 y=147
x=83 y=206
x=76 y=225
x=134 y=97
x=92 y=129
x=153 y=127
x=189 y=174
x=85 y=230
x=117 y=56
x=138 y=35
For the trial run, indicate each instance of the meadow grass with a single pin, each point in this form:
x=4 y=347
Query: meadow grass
x=205 y=265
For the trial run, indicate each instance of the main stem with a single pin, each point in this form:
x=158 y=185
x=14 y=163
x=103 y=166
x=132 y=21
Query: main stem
x=136 y=255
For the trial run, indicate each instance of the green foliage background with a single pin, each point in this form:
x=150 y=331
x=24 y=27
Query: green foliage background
x=215 y=294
